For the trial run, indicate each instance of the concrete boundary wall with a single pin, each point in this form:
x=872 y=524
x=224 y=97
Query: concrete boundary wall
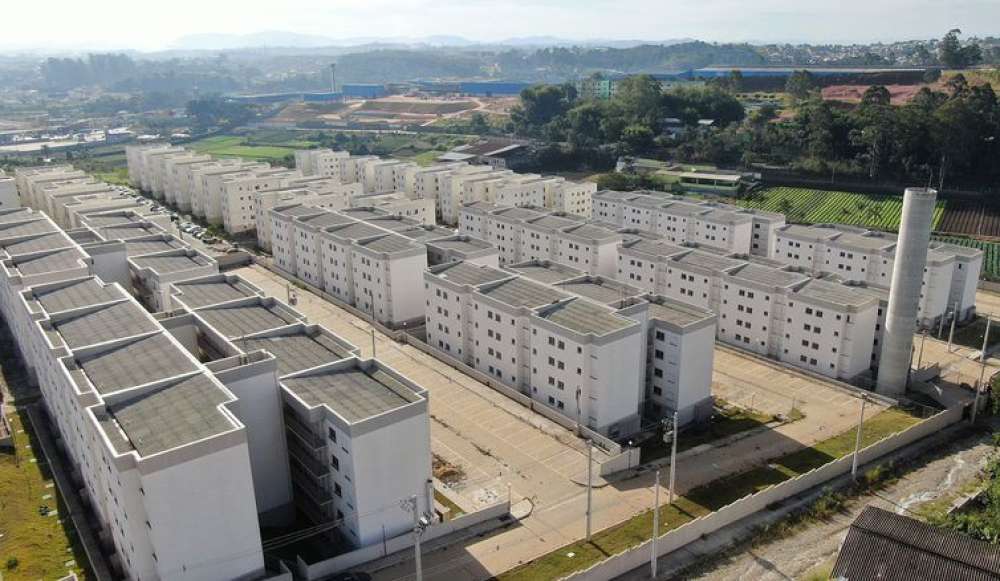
x=321 y=569
x=682 y=536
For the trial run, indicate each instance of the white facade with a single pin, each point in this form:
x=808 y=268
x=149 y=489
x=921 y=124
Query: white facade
x=8 y=192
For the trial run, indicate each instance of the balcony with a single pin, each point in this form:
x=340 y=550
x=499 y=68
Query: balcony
x=305 y=436
x=313 y=467
x=319 y=495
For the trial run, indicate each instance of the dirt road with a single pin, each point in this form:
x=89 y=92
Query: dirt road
x=943 y=472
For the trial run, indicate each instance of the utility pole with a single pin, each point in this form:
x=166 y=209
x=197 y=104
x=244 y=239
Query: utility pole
x=656 y=525
x=857 y=440
x=373 y=342
x=417 y=530
x=920 y=358
x=951 y=333
x=982 y=368
x=673 y=461
x=590 y=483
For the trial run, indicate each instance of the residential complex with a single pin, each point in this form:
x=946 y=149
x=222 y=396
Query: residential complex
x=194 y=394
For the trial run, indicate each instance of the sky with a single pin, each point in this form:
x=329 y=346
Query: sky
x=67 y=24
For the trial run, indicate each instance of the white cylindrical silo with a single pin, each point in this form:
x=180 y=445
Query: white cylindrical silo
x=904 y=294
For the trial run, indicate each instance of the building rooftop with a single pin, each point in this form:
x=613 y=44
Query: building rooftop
x=863 y=242
x=708 y=260
x=51 y=262
x=137 y=362
x=521 y=292
x=105 y=323
x=363 y=213
x=808 y=233
x=36 y=244
x=461 y=244
x=389 y=243
x=100 y=220
x=393 y=223
x=298 y=352
x=468 y=273
x=544 y=271
x=16 y=215
x=76 y=294
x=684 y=209
x=645 y=201
x=592 y=232
x=178 y=413
x=768 y=276
x=326 y=219
x=239 y=320
x=615 y=195
x=887 y=546
x=425 y=233
x=957 y=250
x=84 y=236
x=835 y=293
x=129 y=231
x=552 y=222
x=201 y=292
x=585 y=317
x=298 y=210
x=25 y=228
x=354 y=393
x=140 y=247
x=605 y=291
x=657 y=248
x=171 y=263
x=677 y=313
x=517 y=213
x=356 y=231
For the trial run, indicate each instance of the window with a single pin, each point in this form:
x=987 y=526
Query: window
x=335 y=462
x=337 y=490
x=658 y=354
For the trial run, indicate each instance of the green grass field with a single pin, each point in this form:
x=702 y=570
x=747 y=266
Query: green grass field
x=235 y=146
x=705 y=499
x=43 y=546
x=991 y=253
x=808 y=206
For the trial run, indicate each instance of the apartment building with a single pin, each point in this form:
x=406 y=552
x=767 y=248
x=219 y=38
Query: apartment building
x=461 y=248
x=204 y=181
x=396 y=204
x=568 y=353
x=320 y=162
x=145 y=168
x=148 y=432
x=152 y=274
x=265 y=201
x=384 y=176
x=8 y=192
x=176 y=170
x=343 y=418
x=231 y=196
x=859 y=255
x=29 y=181
x=385 y=268
x=576 y=198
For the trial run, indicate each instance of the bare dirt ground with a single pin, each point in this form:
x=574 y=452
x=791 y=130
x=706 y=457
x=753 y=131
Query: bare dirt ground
x=899 y=94
x=941 y=474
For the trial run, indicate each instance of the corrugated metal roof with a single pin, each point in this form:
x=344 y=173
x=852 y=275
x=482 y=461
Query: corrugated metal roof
x=884 y=546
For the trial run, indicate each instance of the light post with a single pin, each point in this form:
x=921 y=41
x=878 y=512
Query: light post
x=982 y=368
x=656 y=524
x=857 y=440
x=673 y=461
x=590 y=483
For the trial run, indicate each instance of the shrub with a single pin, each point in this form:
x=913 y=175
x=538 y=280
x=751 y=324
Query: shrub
x=12 y=563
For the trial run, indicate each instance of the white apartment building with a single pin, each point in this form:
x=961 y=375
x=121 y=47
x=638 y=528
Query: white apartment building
x=364 y=446
x=30 y=181
x=143 y=165
x=461 y=248
x=859 y=255
x=384 y=176
x=320 y=162
x=396 y=204
x=231 y=196
x=385 y=269
x=265 y=201
x=176 y=170
x=206 y=182
x=147 y=429
x=153 y=273
x=570 y=197
x=8 y=192
x=568 y=353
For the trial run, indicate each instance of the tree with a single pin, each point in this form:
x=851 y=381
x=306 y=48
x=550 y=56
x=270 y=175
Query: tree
x=640 y=99
x=953 y=55
x=800 y=84
x=637 y=138
x=542 y=104
x=478 y=124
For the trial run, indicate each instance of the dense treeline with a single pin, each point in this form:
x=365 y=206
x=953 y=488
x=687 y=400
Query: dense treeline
x=947 y=138
x=950 y=137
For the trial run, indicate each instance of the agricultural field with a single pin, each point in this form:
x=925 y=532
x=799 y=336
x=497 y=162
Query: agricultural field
x=991 y=253
x=971 y=217
x=809 y=206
